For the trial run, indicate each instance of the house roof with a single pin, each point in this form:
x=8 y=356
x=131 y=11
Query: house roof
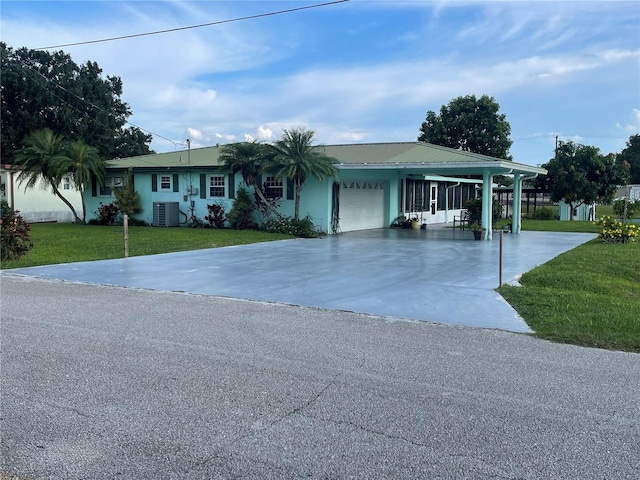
x=418 y=156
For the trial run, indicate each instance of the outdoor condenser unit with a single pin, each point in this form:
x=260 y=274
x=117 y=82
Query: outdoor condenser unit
x=166 y=214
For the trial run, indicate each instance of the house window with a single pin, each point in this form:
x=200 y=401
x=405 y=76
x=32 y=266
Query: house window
x=111 y=182
x=217 y=186
x=273 y=188
x=165 y=182
x=66 y=183
x=417 y=195
x=105 y=188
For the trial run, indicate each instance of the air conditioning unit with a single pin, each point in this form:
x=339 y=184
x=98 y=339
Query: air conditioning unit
x=166 y=214
x=192 y=190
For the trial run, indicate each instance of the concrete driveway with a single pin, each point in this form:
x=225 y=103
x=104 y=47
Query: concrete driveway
x=437 y=275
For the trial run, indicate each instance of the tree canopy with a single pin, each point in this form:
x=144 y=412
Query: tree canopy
x=631 y=156
x=41 y=89
x=471 y=124
x=581 y=174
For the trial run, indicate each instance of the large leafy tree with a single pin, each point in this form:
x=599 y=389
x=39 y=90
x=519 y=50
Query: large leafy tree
x=581 y=174
x=631 y=157
x=48 y=158
x=42 y=89
x=471 y=124
x=295 y=158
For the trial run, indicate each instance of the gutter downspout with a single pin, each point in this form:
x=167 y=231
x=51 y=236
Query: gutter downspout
x=516 y=222
x=446 y=201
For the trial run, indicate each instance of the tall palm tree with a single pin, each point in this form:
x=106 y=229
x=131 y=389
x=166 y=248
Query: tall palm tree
x=295 y=158
x=248 y=158
x=81 y=162
x=43 y=149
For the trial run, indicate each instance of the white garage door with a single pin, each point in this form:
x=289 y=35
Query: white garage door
x=361 y=204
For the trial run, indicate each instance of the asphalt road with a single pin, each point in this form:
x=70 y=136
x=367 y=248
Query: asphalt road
x=107 y=382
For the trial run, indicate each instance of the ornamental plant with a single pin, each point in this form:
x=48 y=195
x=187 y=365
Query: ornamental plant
x=614 y=231
x=14 y=234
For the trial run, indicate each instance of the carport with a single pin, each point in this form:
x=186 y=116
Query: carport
x=437 y=275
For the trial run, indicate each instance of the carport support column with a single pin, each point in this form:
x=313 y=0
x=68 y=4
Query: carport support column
x=517 y=194
x=487 y=196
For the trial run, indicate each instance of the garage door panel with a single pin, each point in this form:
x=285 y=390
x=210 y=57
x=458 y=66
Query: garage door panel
x=361 y=204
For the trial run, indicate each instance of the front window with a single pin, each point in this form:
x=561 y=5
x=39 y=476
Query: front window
x=165 y=182
x=217 y=186
x=273 y=188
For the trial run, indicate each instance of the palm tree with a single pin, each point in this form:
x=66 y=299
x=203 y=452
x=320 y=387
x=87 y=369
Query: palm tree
x=48 y=157
x=43 y=150
x=295 y=158
x=81 y=162
x=249 y=159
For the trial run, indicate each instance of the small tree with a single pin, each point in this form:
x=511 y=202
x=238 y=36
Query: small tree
x=579 y=174
x=127 y=199
x=241 y=214
x=631 y=156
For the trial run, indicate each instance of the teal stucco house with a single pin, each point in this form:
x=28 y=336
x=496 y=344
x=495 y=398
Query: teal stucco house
x=376 y=183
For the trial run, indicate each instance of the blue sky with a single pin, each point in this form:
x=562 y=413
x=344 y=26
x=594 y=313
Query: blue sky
x=359 y=71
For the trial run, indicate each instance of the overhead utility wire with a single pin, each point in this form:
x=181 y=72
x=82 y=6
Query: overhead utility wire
x=250 y=17
x=32 y=71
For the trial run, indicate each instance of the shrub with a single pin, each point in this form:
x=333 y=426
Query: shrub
x=302 y=227
x=614 y=231
x=216 y=216
x=127 y=199
x=15 y=240
x=625 y=209
x=241 y=214
x=543 y=213
x=107 y=214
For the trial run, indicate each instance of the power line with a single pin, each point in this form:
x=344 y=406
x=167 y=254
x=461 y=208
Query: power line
x=220 y=22
x=32 y=71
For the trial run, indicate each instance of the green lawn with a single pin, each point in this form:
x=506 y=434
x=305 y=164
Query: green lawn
x=66 y=242
x=588 y=296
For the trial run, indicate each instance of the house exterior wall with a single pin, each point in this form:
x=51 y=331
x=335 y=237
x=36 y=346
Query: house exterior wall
x=186 y=187
x=39 y=204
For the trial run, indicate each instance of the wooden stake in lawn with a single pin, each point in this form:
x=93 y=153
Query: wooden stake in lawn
x=125 y=223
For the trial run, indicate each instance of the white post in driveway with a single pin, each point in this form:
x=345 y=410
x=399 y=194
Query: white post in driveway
x=487 y=204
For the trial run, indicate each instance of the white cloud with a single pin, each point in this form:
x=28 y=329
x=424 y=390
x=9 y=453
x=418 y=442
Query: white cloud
x=634 y=126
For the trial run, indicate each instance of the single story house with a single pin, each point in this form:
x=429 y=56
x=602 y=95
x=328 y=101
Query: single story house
x=38 y=204
x=376 y=183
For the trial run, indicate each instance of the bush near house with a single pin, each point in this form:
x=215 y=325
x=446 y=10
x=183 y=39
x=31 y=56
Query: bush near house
x=241 y=214
x=15 y=240
x=302 y=227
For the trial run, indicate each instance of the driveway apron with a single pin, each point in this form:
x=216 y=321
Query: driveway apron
x=437 y=275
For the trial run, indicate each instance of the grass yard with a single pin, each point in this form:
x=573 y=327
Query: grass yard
x=588 y=296
x=67 y=242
